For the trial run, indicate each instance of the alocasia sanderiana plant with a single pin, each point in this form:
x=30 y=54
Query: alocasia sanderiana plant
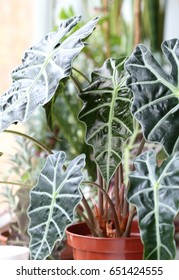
x=123 y=97
x=155 y=190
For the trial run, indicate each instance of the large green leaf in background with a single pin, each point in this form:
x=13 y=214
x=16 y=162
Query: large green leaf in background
x=156 y=94
x=52 y=203
x=43 y=66
x=62 y=117
x=155 y=193
x=107 y=116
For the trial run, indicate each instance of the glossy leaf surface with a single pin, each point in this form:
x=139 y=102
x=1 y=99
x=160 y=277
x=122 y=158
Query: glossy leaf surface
x=156 y=94
x=52 y=203
x=43 y=66
x=107 y=116
x=155 y=193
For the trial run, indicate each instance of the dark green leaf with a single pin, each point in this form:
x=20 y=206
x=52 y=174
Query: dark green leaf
x=156 y=94
x=107 y=116
x=155 y=193
x=50 y=106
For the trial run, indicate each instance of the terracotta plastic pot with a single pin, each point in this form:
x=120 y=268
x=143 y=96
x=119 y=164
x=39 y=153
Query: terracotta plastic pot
x=86 y=247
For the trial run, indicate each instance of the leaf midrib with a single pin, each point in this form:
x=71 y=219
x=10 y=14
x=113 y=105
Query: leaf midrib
x=110 y=120
x=155 y=185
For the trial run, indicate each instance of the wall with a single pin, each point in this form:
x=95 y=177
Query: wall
x=16 y=34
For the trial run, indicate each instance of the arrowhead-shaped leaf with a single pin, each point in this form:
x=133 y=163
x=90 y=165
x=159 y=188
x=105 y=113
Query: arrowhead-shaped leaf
x=155 y=193
x=107 y=116
x=156 y=94
x=43 y=66
x=52 y=203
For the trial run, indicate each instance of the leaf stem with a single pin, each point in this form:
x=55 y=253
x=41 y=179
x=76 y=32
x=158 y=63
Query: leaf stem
x=116 y=189
x=37 y=142
x=100 y=194
x=88 y=210
x=83 y=75
x=15 y=184
x=80 y=212
x=76 y=83
x=132 y=213
x=117 y=227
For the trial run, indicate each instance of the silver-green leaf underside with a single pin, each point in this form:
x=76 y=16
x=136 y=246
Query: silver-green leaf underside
x=107 y=116
x=52 y=203
x=156 y=94
x=155 y=193
x=43 y=66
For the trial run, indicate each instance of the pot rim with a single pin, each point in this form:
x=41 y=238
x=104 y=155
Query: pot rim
x=133 y=236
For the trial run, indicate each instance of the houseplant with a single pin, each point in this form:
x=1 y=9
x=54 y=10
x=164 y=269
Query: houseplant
x=113 y=132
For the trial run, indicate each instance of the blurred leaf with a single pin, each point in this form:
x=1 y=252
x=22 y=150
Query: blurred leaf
x=50 y=106
x=21 y=211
